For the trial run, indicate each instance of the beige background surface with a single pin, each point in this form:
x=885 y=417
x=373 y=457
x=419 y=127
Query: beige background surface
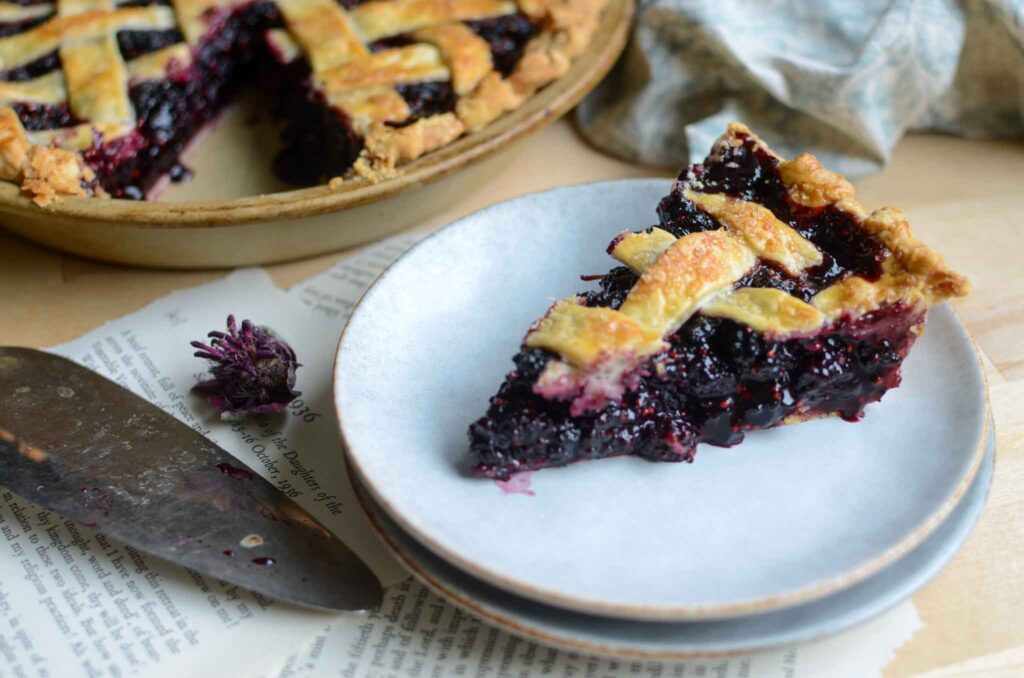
x=966 y=198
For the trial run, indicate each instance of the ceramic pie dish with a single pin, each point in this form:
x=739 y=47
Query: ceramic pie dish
x=414 y=100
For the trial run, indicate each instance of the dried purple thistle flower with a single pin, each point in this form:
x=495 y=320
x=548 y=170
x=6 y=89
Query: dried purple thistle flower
x=253 y=370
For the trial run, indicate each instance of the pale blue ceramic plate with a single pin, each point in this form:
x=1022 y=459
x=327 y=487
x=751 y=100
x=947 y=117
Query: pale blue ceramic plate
x=790 y=515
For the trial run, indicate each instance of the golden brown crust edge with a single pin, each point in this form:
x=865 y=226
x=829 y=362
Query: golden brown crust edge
x=44 y=172
x=915 y=272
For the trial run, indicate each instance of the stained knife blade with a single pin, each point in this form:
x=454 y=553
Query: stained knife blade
x=81 y=445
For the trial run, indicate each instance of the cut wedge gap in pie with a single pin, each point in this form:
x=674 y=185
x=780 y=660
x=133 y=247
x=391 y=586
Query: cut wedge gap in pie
x=766 y=295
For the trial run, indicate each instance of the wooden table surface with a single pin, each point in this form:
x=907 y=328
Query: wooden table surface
x=966 y=198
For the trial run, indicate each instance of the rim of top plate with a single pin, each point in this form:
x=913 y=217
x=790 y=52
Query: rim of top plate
x=545 y=106
x=790 y=598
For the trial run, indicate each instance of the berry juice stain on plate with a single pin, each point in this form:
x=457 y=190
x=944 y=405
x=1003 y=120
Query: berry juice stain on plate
x=516 y=484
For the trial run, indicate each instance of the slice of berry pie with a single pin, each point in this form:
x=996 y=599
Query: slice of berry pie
x=101 y=97
x=767 y=295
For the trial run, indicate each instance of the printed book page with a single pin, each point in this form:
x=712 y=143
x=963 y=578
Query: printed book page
x=416 y=634
x=75 y=603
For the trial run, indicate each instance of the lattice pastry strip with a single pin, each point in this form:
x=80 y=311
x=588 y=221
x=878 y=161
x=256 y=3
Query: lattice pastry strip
x=323 y=31
x=46 y=89
x=400 y=66
x=384 y=18
x=765 y=234
x=691 y=270
x=12 y=12
x=764 y=309
x=156 y=65
x=467 y=55
x=97 y=84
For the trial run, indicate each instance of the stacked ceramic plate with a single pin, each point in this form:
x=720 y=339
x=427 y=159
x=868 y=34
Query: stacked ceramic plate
x=799 y=532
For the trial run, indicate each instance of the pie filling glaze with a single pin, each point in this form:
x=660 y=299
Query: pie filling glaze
x=766 y=295
x=102 y=98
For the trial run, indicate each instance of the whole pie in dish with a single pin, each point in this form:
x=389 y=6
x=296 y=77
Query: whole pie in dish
x=99 y=97
x=766 y=295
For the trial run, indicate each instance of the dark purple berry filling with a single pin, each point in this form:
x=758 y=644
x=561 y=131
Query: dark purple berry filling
x=136 y=43
x=718 y=380
x=13 y=27
x=392 y=42
x=427 y=98
x=36 y=117
x=179 y=173
x=319 y=142
x=33 y=69
x=746 y=171
x=507 y=36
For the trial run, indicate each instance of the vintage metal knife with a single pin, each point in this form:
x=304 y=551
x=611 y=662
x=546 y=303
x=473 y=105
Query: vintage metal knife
x=81 y=445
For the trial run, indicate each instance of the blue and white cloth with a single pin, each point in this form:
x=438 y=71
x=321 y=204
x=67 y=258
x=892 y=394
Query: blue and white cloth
x=843 y=79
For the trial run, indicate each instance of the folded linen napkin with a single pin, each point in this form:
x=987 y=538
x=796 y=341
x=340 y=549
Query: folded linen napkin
x=843 y=80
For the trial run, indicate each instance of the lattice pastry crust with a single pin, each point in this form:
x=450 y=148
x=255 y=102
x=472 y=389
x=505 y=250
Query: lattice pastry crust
x=95 y=79
x=698 y=274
